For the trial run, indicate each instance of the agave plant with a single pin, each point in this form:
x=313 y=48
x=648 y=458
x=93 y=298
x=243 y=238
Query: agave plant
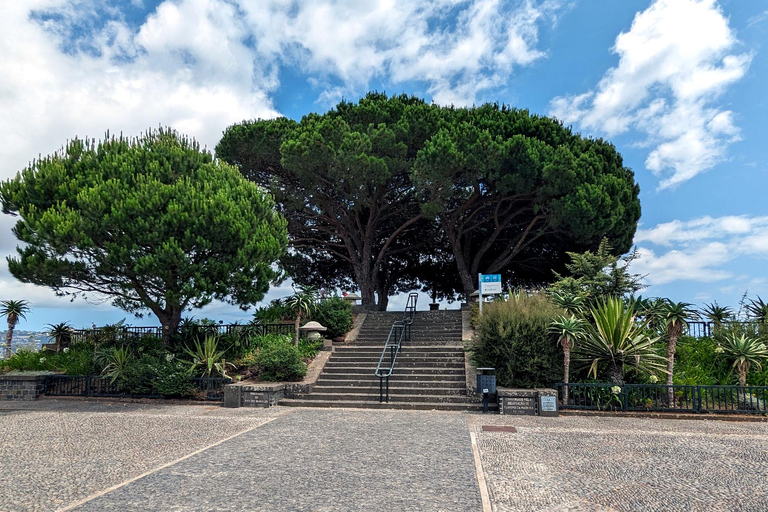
x=746 y=352
x=568 y=330
x=618 y=340
x=115 y=361
x=207 y=357
x=12 y=310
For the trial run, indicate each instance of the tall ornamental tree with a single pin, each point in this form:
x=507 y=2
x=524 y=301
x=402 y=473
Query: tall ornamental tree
x=13 y=311
x=501 y=182
x=342 y=179
x=150 y=223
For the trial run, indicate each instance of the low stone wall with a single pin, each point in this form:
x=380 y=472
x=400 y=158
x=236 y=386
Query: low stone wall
x=21 y=387
x=470 y=370
x=267 y=394
x=527 y=402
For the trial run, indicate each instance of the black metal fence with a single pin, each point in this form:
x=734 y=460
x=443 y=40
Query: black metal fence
x=653 y=397
x=702 y=329
x=124 y=333
x=207 y=388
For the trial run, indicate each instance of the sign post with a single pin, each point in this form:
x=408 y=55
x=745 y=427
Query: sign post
x=489 y=284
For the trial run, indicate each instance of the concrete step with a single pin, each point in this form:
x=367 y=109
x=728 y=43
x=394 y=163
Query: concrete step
x=374 y=397
x=399 y=364
x=402 y=388
x=412 y=370
x=418 y=377
x=423 y=406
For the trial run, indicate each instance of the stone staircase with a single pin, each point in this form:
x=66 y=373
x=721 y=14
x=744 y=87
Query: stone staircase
x=428 y=375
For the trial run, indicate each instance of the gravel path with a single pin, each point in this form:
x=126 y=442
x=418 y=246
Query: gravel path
x=624 y=464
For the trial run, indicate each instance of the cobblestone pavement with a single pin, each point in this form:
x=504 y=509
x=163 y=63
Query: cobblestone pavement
x=623 y=464
x=303 y=460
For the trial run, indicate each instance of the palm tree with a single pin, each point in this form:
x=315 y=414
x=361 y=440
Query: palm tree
x=13 y=310
x=302 y=302
x=568 y=330
x=746 y=351
x=758 y=310
x=717 y=314
x=618 y=340
x=61 y=333
x=674 y=316
x=572 y=303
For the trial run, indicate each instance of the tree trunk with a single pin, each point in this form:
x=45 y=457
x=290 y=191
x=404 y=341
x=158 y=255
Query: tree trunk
x=297 y=325
x=743 y=369
x=383 y=302
x=617 y=374
x=8 y=339
x=567 y=367
x=170 y=318
x=673 y=333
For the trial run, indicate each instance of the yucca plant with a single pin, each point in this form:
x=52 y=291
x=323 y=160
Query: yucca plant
x=13 y=310
x=61 y=333
x=207 y=357
x=568 y=331
x=674 y=316
x=746 y=352
x=617 y=339
x=115 y=361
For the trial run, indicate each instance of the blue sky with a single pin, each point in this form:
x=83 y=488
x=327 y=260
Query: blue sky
x=677 y=85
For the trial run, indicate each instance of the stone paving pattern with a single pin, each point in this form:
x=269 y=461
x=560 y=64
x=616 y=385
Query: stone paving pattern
x=624 y=464
x=54 y=453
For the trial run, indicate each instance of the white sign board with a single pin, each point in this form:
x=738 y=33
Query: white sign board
x=490 y=284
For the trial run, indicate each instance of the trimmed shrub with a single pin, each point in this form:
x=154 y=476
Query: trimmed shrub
x=513 y=337
x=280 y=361
x=335 y=314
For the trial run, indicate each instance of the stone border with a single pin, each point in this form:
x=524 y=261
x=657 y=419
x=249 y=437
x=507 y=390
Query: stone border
x=470 y=370
x=351 y=336
x=268 y=394
x=21 y=387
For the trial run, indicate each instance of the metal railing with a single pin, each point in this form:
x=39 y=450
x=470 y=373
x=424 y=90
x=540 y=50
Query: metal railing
x=655 y=397
x=124 y=333
x=399 y=332
x=702 y=329
x=207 y=388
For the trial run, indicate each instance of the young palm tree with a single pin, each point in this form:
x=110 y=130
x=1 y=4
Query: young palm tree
x=717 y=314
x=674 y=316
x=745 y=352
x=618 y=340
x=61 y=332
x=301 y=303
x=568 y=330
x=12 y=310
x=758 y=310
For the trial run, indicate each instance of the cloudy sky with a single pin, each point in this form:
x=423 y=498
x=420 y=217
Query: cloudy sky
x=677 y=85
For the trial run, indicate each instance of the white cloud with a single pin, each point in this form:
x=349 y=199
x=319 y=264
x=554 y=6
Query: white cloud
x=677 y=58
x=699 y=249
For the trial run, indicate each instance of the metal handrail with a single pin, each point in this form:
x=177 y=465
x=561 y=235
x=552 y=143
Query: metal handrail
x=398 y=333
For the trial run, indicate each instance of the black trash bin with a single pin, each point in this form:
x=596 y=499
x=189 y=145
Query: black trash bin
x=486 y=384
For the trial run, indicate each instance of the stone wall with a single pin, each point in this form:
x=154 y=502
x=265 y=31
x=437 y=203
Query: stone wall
x=21 y=387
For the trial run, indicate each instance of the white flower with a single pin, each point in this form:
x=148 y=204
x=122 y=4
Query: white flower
x=169 y=357
x=654 y=379
x=66 y=349
x=616 y=390
x=719 y=350
x=42 y=360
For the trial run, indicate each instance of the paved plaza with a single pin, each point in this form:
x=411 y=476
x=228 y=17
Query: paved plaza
x=102 y=456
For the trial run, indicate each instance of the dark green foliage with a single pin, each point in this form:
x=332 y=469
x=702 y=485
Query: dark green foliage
x=335 y=314
x=75 y=360
x=154 y=223
x=513 y=337
x=275 y=312
x=699 y=363
x=280 y=361
x=501 y=189
x=309 y=348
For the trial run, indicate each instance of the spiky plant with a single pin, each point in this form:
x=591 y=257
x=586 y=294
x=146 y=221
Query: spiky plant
x=302 y=302
x=758 y=310
x=13 y=310
x=568 y=331
x=746 y=352
x=716 y=313
x=572 y=303
x=60 y=332
x=618 y=340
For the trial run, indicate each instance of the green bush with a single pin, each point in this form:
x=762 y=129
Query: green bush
x=335 y=314
x=25 y=360
x=699 y=363
x=280 y=361
x=309 y=348
x=275 y=312
x=513 y=337
x=75 y=360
